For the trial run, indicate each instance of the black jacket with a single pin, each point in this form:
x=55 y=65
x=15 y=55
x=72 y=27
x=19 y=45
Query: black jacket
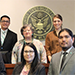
x=6 y=48
x=40 y=70
x=2 y=67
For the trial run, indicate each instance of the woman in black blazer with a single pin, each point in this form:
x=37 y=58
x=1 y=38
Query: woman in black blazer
x=30 y=64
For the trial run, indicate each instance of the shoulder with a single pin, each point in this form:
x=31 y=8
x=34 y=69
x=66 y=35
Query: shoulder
x=12 y=32
x=17 y=69
x=36 y=40
x=40 y=66
x=18 y=66
x=21 y=41
x=50 y=33
x=56 y=54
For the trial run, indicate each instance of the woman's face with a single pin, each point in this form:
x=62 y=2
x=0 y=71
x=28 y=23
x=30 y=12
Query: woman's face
x=27 y=32
x=57 y=23
x=28 y=54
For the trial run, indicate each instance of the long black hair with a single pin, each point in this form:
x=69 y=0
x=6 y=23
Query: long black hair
x=35 y=60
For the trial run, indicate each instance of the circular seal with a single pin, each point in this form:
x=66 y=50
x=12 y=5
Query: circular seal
x=40 y=18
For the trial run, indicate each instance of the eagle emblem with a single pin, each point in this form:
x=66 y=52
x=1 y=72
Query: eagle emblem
x=40 y=18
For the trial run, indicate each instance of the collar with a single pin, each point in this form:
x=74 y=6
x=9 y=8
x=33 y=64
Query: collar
x=68 y=50
x=55 y=32
x=4 y=30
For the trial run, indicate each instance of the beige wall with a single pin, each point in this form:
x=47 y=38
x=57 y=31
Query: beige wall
x=17 y=8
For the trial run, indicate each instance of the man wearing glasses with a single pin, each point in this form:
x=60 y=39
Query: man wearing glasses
x=7 y=39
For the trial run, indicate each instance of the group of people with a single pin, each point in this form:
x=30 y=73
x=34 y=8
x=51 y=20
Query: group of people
x=28 y=53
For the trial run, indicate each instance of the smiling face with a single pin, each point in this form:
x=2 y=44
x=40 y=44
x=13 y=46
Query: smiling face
x=65 y=40
x=5 y=23
x=27 y=32
x=28 y=54
x=57 y=23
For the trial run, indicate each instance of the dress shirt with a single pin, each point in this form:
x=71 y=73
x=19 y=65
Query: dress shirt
x=2 y=31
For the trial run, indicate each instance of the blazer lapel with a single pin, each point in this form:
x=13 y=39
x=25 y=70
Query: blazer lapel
x=6 y=38
x=58 y=61
x=68 y=57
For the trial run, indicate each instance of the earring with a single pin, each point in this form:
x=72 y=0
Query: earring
x=23 y=35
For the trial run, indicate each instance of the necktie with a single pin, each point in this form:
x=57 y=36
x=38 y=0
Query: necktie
x=63 y=59
x=2 y=37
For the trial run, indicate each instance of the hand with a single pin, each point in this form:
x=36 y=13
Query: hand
x=49 y=58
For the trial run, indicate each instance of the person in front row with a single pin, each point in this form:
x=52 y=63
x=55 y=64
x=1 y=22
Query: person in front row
x=27 y=33
x=30 y=64
x=2 y=67
x=63 y=63
x=7 y=39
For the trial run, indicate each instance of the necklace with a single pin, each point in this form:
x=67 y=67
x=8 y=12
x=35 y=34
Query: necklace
x=28 y=42
x=27 y=66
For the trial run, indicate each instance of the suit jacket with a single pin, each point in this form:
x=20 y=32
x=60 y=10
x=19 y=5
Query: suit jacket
x=2 y=67
x=40 y=70
x=68 y=67
x=6 y=48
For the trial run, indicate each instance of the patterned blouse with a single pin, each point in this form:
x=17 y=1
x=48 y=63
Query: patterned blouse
x=16 y=52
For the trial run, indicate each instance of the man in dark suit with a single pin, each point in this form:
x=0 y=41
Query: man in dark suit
x=2 y=67
x=67 y=55
x=7 y=39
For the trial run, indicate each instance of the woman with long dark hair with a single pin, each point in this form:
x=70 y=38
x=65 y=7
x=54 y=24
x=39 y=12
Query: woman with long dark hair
x=30 y=64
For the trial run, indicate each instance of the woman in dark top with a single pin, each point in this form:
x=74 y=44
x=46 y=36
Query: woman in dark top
x=30 y=64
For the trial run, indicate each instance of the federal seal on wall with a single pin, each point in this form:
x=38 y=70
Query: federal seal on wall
x=40 y=18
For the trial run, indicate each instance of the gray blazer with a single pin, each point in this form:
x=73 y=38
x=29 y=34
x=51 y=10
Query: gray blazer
x=68 y=66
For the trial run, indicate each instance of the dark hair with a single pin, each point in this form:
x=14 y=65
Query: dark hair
x=67 y=30
x=35 y=60
x=58 y=16
x=25 y=26
x=5 y=16
x=74 y=41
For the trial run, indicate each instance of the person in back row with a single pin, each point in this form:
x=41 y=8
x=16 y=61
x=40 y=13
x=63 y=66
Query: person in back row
x=7 y=39
x=30 y=64
x=27 y=33
x=51 y=42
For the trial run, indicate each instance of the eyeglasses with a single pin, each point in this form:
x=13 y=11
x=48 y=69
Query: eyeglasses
x=26 y=30
x=5 y=21
x=28 y=51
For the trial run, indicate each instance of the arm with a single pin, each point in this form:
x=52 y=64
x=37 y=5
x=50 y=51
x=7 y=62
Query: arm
x=14 y=40
x=2 y=67
x=47 y=47
x=14 y=54
x=49 y=58
x=42 y=71
x=43 y=53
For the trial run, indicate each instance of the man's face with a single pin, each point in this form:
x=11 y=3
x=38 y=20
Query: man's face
x=5 y=23
x=65 y=40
